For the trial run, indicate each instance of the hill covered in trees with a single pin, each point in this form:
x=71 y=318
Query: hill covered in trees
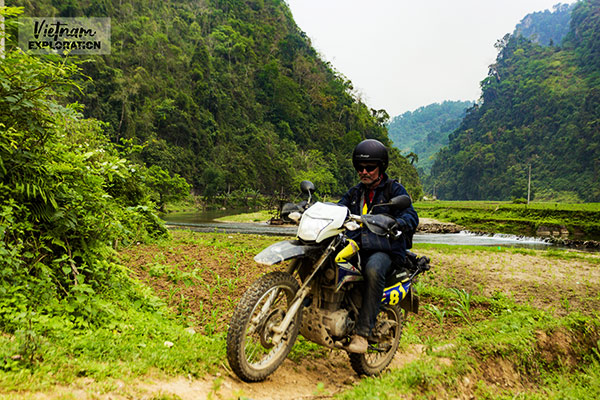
x=228 y=94
x=546 y=27
x=424 y=131
x=540 y=107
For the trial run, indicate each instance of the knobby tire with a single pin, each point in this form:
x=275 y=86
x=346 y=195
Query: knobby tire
x=241 y=337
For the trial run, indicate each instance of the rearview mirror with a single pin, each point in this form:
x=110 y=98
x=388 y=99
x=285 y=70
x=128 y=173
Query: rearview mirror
x=398 y=202
x=403 y=201
x=307 y=187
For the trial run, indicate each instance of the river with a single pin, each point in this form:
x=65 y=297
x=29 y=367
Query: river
x=204 y=222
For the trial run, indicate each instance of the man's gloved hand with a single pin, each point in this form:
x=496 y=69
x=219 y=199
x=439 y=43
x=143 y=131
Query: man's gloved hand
x=402 y=225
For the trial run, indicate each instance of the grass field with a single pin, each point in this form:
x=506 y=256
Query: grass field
x=494 y=324
x=575 y=221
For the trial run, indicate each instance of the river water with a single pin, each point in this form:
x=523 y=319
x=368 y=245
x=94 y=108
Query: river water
x=204 y=222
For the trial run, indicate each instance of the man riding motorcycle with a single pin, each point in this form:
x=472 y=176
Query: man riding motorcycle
x=370 y=159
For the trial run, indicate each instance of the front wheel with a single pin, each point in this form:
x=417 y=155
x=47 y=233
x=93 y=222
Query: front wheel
x=250 y=350
x=387 y=332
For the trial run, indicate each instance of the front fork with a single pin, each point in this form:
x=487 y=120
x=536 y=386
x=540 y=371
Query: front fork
x=304 y=290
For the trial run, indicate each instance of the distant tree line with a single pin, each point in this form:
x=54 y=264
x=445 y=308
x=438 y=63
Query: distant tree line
x=424 y=131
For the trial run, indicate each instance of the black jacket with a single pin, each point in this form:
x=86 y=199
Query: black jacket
x=386 y=189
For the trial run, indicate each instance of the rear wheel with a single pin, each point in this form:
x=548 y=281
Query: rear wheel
x=387 y=332
x=250 y=350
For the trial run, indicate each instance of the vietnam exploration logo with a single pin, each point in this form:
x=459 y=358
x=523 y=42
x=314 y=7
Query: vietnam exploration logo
x=65 y=35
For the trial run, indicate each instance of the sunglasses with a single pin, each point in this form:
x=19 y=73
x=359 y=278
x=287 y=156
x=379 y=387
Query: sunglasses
x=369 y=168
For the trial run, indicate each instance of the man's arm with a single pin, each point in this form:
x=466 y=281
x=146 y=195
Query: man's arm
x=408 y=217
x=346 y=199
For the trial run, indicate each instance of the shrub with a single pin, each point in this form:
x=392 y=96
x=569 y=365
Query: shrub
x=66 y=197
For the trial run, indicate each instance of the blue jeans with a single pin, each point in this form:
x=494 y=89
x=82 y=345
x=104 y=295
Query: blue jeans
x=375 y=271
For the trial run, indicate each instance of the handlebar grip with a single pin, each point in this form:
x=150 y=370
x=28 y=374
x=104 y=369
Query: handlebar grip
x=423 y=263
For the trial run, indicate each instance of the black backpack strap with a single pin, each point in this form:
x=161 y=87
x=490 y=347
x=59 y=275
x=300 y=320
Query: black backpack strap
x=387 y=190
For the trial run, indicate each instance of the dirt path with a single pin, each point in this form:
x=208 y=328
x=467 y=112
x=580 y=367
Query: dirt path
x=313 y=379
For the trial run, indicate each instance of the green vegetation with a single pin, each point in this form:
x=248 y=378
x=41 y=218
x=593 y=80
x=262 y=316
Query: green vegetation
x=229 y=94
x=486 y=339
x=425 y=131
x=258 y=216
x=173 y=317
x=545 y=27
x=540 y=108
x=504 y=344
x=580 y=220
x=68 y=201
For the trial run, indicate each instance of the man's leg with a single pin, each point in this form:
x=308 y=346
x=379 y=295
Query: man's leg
x=375 y=272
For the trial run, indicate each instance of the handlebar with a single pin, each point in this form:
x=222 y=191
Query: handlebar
x=385 y=225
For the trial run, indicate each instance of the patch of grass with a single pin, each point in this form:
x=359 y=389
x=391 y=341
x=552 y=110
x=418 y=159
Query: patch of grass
x=304 y=349
x=258 y=216
x=593 y=258
x=520 y=352
x=141 y=336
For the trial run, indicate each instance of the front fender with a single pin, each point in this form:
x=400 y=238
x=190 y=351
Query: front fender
x=282 y=251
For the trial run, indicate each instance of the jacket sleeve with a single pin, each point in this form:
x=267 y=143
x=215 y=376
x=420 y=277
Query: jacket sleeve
x=347 y=198
x=409 y=215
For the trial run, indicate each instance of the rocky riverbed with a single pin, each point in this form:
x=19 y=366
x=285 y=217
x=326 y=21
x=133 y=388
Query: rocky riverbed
x=430 y=225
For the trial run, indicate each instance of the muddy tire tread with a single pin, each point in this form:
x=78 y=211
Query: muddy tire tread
x=241 y=315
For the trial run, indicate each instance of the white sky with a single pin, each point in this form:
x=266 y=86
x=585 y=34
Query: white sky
x=404 y=54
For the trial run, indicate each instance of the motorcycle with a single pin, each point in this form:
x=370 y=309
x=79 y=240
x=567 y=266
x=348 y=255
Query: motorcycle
x=320 y=294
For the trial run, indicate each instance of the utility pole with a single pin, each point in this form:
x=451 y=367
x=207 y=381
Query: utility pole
x=529 y=185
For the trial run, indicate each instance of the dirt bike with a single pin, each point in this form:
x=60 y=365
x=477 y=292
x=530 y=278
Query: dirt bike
x=320 y=295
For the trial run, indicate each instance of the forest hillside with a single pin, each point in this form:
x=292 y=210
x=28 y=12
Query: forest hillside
x=425 y=130
x=540 y=109
x=229 y=94
x=546 y=27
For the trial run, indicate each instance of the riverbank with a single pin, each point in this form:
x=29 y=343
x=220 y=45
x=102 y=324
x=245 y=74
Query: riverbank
x=565 y=224
x=574 y=223
x=430 y=225
x=426 y=225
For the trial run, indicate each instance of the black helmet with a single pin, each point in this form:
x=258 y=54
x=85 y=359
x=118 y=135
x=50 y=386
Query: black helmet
x=370 y=150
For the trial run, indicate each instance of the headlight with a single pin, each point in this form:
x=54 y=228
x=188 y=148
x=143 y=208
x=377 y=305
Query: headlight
x=310 y=228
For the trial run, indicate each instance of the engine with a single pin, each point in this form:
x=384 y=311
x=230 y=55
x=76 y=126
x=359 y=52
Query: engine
x=324 y=321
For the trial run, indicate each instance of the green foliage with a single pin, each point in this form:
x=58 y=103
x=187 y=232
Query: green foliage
x=228 y=95
x=66 y=198
x=425 y=130
x=540 y=107
x=546 y=27
x=165 y=187
x=139 y=337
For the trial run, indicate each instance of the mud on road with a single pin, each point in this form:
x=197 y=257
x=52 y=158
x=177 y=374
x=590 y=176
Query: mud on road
x=557 y=285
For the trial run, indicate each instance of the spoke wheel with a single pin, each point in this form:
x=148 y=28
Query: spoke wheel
x=387 y=332
x=251 y=352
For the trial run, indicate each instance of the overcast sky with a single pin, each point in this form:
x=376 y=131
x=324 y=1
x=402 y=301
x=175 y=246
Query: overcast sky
x=401 y=55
